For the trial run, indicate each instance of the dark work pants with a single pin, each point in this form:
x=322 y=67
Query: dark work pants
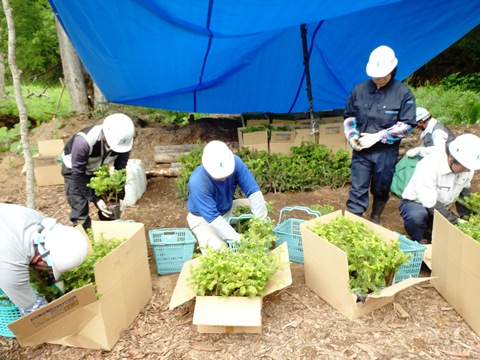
x=416 y=219
x=371 y=170
x=78 y=202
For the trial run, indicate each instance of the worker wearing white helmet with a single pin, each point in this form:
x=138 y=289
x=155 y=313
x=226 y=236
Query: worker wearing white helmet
x=434 y=134
x=378 y=114
x=211 y=195
x=439 y=180
x=85 y=152
x=29 y=240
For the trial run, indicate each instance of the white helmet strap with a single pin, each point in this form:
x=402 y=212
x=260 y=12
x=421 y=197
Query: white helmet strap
x=48 y=224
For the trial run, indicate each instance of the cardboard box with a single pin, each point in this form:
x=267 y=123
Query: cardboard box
x=47 y=170
x=326 y=270
x=257 y=122
x=257 y=140
x=281 y=141
x=330 y=133
x=304 y=134
x=214 y=314
x=78 y=318
x=455 y=264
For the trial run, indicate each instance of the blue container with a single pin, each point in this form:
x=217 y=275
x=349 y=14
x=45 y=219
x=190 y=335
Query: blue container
x=412 y=268
x=9 y=312
x=288 y=231
x=171 y=247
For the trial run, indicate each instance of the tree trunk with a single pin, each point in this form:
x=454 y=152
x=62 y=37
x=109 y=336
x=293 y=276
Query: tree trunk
x=2 y=74
x=73 y=72
x=22 y=109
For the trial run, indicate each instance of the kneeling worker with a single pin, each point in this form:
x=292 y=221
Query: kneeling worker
x=211 y=195
x=439 y=180
x=30 y=240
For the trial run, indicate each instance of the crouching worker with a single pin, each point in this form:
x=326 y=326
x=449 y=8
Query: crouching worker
x=30 y=240
x=211 y=196
x=439 y=180
x=84 y=154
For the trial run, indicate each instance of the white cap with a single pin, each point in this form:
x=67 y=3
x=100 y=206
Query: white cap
x=218 y=160
x=119 y=132
x=382 y=62
x=422 y=114
x=68 y=248
x=466 y=150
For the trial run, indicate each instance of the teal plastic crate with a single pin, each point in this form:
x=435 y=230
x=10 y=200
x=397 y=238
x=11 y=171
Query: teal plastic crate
x=288 y=230
x=171 y=247
x=9 y=312
x=412 y=268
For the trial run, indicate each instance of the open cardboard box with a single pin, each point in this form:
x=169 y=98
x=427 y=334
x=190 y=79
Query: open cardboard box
x=234 y=314
x=78 y=318
x=281 y=141
x=330 y=133
x=456 y=268
x=257 y=140
x=47 y=170
x=326 y=270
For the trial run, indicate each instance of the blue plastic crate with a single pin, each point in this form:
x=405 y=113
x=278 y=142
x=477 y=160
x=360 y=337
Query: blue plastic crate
x=9 y=312
x=412 y=268
x=171 y=247
x=288 y=231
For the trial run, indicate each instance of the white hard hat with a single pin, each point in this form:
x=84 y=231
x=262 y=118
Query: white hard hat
x=382 y=62
x=218 y=160
x=422 y=114
x=466 y=150
x=119 y=132
x=68 y=248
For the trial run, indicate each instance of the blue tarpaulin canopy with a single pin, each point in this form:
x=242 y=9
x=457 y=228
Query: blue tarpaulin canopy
x=226 y=56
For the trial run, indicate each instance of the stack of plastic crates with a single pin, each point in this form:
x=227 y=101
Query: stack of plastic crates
x=9 y=312
x=171 y=247
x=412 y=268
x=289 y=230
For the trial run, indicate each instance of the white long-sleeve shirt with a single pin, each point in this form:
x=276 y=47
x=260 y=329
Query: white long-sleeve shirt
x=433 y=181
x=17 y=226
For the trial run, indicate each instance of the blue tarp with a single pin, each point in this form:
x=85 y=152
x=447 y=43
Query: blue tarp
x=227 y=56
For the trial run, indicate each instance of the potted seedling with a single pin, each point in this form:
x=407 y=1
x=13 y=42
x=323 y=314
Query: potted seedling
x=108 y=185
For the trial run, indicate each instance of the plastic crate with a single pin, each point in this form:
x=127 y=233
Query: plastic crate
x=416 y=251
x=171 y=247
x=9 y=312
x=288 y=231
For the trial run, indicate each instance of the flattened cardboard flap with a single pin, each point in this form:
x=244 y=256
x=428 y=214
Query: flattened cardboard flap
x=50 y=147
x=34 y=328
x=455 y=264
x=228 y=311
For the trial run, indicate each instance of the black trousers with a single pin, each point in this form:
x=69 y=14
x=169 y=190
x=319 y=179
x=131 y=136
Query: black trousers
x=77 y=201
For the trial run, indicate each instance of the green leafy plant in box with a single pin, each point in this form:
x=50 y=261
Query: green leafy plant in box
x=243 y=273
x=83 y=274
x=80 y=276
x=372 y=262
x=472 y=226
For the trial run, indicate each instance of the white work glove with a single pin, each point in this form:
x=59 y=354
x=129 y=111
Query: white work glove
x=354 y=143
x=122 y=208
x=412 y=152
x=103 y=208
x=257 y=205
x=368 y=140
x=461 y=221
x=224 y=229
